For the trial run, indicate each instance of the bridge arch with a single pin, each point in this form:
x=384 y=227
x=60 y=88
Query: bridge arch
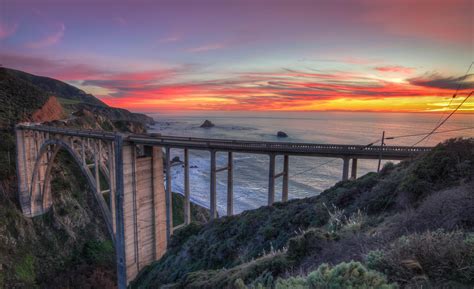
x=40 y=183
x=136 y=216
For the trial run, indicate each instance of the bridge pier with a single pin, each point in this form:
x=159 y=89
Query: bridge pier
x=230 y=184
x=187 y=202
x=345 y=169
x=169 y=196
x=144 y=201
x=271 y=180
x=284 y=193
x=354 y=169
x=213 y=197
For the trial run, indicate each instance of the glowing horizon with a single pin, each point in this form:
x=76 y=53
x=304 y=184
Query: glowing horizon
x=242 y=55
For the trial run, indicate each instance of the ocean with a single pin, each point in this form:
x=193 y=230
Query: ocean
x=308 y=176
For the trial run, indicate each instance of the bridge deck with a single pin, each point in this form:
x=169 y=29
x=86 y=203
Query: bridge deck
x=256 y=147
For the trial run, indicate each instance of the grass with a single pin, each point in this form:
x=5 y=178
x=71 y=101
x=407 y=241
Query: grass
x=426 y=259
x=25 y=270
x=344 y=275
x=65 y=101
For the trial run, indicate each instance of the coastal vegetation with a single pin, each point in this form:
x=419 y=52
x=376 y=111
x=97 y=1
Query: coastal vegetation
x=408 y=226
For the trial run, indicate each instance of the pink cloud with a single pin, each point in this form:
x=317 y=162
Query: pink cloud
x=48 y=40
x=395 y=69
x=207 y=47
x=7 y=30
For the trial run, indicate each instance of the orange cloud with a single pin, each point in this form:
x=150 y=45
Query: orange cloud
x=289 y=90
x=395 y=69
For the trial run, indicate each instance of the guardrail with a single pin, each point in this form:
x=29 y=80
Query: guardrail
x=240 y=145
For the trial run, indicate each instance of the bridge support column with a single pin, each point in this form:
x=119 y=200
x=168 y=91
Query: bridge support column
x=345 y=169
x=284 y=192
x=97 y=151
x=271 y=180
x=354 y=169
x=143 y=209
x=169 y=195
x=21 y=171
x=213 y=191
x=187 y=202
x=230 y=184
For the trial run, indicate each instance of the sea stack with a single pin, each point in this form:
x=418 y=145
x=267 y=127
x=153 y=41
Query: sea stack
x=207 y=124
x=281 y=134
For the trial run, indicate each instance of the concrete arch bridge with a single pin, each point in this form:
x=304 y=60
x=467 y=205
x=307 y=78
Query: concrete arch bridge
x=130 y=171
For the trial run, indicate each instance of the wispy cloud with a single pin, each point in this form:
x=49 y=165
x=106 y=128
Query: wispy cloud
x=49 y=40
x=451 y=82
x=395 y=69
x=7 y=30
x=206 y=47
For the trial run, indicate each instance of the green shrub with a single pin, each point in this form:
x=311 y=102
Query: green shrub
x=310 y=242
x=98 y=252
x=344 y=275
x=257 y=273
x=292 y=283
x=387 y=168
x=182 y=235
x=439 y=257
x=347 y=275
x=374 y=259
x=25 y=270
x=447 y=164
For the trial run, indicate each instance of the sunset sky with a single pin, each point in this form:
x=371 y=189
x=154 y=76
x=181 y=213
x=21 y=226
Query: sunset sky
x=248 y=55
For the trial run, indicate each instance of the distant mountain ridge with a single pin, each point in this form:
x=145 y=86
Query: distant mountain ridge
x=22 y=94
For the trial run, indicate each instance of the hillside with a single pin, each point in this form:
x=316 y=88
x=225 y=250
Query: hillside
x=410 y=226
x=55 y=87
x=22 y=93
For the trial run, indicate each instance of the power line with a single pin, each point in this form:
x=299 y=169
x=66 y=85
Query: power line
x=460 y=84
x=446 y=119
x=418 y=134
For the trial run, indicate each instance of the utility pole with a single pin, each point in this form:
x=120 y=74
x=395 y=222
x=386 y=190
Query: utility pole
x=382 y=143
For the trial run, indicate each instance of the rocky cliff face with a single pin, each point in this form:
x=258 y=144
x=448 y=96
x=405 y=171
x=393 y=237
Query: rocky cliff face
x=51 y=110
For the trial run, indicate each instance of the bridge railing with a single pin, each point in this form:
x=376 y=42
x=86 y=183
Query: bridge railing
x=227 y=144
